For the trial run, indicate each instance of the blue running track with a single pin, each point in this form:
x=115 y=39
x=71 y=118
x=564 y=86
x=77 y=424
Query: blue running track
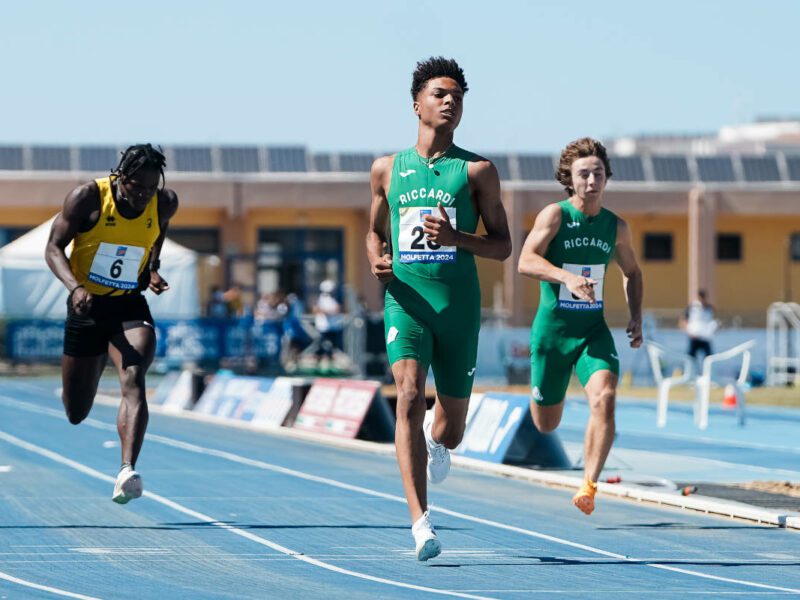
x=230 y=513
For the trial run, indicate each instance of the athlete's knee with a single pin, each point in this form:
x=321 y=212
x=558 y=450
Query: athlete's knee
x=545 y=421
x=602 y=403
x=132 y=378
x=408 y=390
x=76 y=411
x=452 y=438
x=546 y=424
x=76 y=418
x=411 y=406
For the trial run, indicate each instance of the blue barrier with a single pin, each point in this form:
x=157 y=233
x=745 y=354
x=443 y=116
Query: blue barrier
x=234 y=397
x=176 y=339
x=502 y=431
x=34 y=339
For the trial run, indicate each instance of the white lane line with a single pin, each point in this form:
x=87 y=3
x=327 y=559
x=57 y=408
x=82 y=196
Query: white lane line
x=721 y=464
x=240 y=532
x=369 y=492
x=366 y=491
x=715 y=442
x=44 y=588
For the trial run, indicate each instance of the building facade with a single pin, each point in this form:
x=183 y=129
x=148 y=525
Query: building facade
x=276 y=218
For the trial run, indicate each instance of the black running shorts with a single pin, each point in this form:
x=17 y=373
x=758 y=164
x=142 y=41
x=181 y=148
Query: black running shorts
x=89 y=334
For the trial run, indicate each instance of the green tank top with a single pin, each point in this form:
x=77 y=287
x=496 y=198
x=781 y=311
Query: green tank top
x=583 y=246
x=416 y=187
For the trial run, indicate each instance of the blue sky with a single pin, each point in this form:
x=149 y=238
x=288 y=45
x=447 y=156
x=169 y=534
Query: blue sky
x=335 y=75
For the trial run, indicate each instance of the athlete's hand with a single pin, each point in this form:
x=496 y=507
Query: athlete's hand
x=582 y=288
x=382 y=268
x=634 y=332
x=157 y=283
x=81 y=300
x=439 y=229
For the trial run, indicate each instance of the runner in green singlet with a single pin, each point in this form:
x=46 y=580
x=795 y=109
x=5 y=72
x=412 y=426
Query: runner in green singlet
x=426 y=203
x=568 y=250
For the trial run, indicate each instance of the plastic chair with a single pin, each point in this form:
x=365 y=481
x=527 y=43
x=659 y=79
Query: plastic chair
x=655 y=353
x=703 y=383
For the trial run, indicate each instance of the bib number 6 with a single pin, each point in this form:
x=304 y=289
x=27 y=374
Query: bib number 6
x=116 y=269
x=418 y=243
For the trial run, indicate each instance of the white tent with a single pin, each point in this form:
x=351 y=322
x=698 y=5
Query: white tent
x=28 y=289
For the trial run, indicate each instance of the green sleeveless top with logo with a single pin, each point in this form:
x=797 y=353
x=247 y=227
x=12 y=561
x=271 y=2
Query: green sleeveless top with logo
x=417 y=186
x=583 y=246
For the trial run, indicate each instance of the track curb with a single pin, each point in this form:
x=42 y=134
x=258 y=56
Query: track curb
x=696 y=503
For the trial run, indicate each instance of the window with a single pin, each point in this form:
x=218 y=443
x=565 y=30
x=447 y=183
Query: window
x=204 y=240
x=729 y=247
x=9 y=234
x=658 y=246
x=298 y=260
x=794 y=246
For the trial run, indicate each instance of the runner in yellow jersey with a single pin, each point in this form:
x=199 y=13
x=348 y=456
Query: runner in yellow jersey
x=116 y=225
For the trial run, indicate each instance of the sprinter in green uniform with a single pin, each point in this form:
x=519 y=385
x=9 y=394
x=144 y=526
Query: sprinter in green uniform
x=568 y=250
x=426 y=203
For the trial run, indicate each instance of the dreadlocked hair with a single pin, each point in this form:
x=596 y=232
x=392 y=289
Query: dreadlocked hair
x=141 y=156
x=436 y=66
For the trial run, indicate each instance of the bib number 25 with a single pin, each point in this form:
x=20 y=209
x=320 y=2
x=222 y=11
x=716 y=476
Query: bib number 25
x=420 y=243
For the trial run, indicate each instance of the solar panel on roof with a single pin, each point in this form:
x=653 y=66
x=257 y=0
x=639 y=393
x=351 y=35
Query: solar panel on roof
x=715 y=168
x=501 y=162
x=239 y=159
x=760 y=168
x=793 y=165
x=355 y=162
x=322 y=163
x=536 y=167
x=98 y=158
x=670 y=168
x=287 y=159
x=192 y=158
x=51 y=158
x=11 y=158
x=627 y=168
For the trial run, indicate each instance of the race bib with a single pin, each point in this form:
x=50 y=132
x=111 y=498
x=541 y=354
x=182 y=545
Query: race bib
x=414 y=246
x=568 y=301
x=116 y=266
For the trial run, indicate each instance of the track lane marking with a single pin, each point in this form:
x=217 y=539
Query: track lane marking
x=369 y=492
x=86 y=470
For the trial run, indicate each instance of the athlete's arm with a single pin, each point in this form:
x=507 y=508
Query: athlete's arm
x=485 y=188
x=75 y=213
x=533 y=263
x=167 y=207
x=631 y=281
x=380 y=259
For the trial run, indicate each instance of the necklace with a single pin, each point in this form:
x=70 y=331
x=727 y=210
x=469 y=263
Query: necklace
x=436 y=156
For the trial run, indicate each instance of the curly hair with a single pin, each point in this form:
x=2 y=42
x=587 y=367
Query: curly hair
x=141 y=156
x=436 y=66
x=579 y=149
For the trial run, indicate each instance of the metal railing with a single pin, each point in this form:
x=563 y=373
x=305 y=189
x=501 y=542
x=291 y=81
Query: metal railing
x=783 y=343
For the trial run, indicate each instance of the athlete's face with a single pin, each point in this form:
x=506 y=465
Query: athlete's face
x=588 y=177
x=139 y=187
x=440 y=104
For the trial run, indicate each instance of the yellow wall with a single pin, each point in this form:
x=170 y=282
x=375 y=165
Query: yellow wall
x=490 y=274
x=749 y=286
x=25 y=216
x=198 y=217
x=666 y=283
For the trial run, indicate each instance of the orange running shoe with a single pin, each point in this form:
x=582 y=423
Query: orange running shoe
x=584 y=499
